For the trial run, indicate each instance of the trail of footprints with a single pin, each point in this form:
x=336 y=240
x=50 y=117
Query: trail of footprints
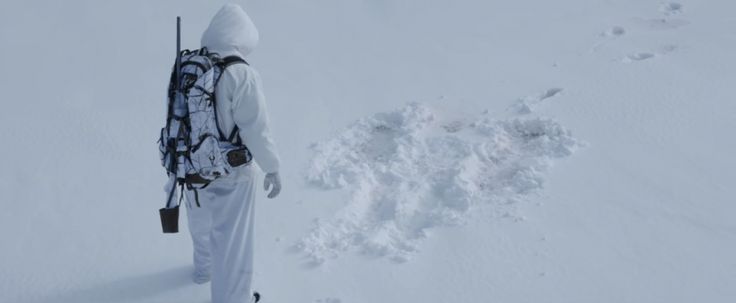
x=669 y=10
x=529 y=104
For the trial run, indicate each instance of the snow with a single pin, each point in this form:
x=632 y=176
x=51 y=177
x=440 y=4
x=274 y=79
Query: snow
x=527 y=105
x=632 y=98
x=417 y=168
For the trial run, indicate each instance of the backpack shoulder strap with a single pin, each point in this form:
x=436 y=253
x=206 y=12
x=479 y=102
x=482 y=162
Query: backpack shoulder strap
x=230 y=60
x=224 y=63
x=227 y=61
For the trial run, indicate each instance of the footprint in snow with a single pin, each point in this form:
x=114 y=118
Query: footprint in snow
x=661 y=23
x=641 y=56
x=671 y=8
x=666 y=49
x=668 y=9
x=638 y=57
x=610 y=34
x=616 y=31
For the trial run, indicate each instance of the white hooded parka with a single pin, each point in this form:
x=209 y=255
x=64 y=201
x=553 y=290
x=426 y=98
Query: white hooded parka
x=240 y=99
x=222 y=228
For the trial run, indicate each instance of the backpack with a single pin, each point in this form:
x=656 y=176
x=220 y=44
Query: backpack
x=193 y=149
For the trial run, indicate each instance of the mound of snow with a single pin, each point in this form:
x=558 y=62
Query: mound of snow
x=409 y=170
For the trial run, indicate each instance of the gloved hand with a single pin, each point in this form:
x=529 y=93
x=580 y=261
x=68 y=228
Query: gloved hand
x=273 y=181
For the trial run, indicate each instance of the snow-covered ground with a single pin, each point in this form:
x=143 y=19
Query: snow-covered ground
x=434 y=151
x=412 y=169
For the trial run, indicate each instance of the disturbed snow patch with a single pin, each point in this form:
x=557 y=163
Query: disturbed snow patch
x=528 y=104
x=409 y=170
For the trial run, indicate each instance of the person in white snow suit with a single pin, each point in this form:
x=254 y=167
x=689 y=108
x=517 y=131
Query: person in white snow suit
x=222 y=228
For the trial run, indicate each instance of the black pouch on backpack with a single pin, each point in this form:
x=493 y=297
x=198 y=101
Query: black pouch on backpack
x=170 y=219
x=238 y=157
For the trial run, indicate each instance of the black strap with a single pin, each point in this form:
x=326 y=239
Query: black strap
x=195 y=179
x=171 y=195
x=234 y=136
x=194 y=190
x=230 y=60
x=227 y=61
x=196 y=197
x=181 y=193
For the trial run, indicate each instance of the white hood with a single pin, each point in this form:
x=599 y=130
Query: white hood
x=231 y=30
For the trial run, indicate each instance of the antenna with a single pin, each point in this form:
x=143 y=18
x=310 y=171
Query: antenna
x=178 y=53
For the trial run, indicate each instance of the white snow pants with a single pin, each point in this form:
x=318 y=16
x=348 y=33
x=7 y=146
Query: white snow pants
x=222 y=234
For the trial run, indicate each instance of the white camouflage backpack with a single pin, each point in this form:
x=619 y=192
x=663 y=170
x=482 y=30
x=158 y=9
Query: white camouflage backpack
x=192 y=147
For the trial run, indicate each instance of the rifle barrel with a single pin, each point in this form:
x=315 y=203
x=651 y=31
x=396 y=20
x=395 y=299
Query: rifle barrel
x=178 y=53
